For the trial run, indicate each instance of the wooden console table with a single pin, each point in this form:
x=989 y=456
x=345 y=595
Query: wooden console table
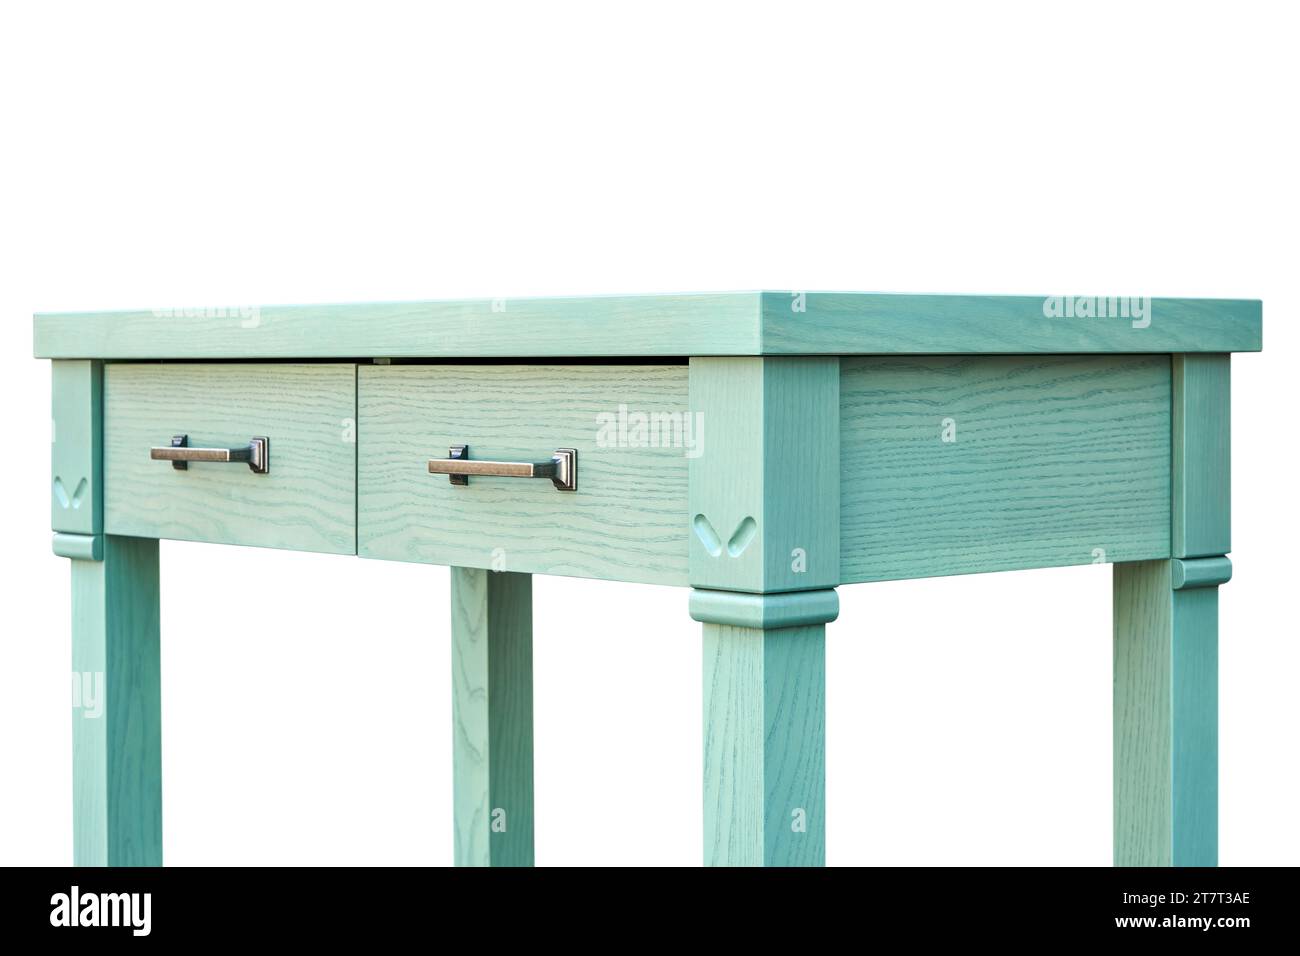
x=759 y=448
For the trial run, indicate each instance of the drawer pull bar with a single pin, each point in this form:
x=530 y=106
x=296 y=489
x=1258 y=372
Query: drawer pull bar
x=257 y=454
x=562 y=468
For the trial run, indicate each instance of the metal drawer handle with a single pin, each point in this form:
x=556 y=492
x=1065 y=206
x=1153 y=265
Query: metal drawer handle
x=257 y=453
x=562 y=468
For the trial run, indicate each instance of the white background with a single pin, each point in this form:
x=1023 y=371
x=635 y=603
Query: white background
x=160 y=155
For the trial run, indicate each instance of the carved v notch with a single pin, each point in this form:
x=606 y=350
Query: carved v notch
x=78 y=494
x=712 y=541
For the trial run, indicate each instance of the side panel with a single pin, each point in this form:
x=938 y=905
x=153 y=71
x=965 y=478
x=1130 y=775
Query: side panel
x=963 y=465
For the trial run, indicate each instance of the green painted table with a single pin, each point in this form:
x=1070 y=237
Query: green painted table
x=759 y=448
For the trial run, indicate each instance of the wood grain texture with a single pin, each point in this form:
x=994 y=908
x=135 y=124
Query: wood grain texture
x=737 y=323
x=1054 y=460
x=1142 y=716
x=492 y=709
x=1202 y=450
x=764 y=492
x=77 y=450
x=626 y=521
x=306 y=503
x=117 y=713
x=764 y=746
x=1195 y=719
x=1165 y=719
x=848 y=323
x=647 y=325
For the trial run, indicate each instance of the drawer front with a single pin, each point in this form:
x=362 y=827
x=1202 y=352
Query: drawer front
x=626 y=521
x=306 y=501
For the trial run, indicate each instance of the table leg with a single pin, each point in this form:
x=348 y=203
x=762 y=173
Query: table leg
x=764 y=726
x=1166 y=711
x=492 y=705
x=117 y=701
x=1167 y=638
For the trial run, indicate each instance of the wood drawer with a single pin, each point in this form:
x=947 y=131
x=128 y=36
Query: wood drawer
x=305 y=502
x=626 y=521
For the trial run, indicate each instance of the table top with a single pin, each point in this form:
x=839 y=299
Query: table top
x=729 y=323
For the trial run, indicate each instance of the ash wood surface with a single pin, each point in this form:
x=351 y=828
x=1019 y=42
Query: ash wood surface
x=848 y=323
x=77 y=451
x=764 y=492
x=1165 y=719
x=764 y=746
x=117 y=713
x=1166 y=644
x=1202 y=488
x=307 y=502
x=492 y=716
x=959 y=465
x=651 y=325
x=734 y=323
x=626 y=521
